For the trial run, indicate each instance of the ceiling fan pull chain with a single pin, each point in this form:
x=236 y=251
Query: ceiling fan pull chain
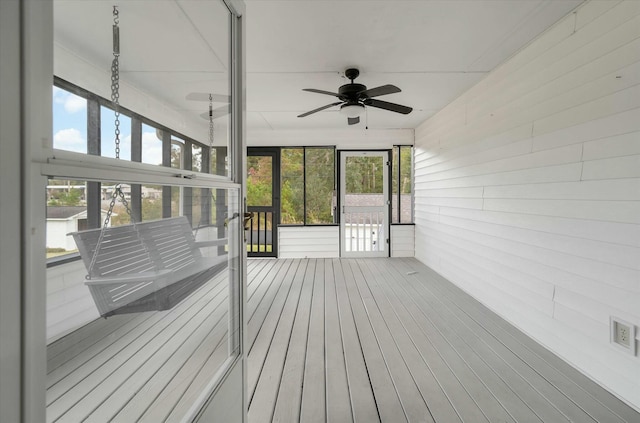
x=366 y=118
x=115 y=78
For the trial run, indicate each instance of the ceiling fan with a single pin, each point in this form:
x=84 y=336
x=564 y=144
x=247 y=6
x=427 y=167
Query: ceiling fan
x=354 y=97
x=212 y=98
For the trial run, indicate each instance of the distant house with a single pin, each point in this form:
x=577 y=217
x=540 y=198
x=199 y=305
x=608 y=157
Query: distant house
x=62 y=220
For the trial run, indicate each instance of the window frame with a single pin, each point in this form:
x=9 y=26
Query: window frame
x=304 y=185
x=94 y=121
x=399 y=174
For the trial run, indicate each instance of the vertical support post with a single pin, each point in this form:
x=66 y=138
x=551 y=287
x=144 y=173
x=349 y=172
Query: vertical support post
x=136 y=156
x=221 y=194
x=399 y=187
x=166 y=162
x=94 y=143
x=187 y=197
x=13 y=190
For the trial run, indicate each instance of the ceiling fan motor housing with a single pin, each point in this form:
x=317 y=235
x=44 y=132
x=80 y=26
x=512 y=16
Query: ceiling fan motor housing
x=350 y=91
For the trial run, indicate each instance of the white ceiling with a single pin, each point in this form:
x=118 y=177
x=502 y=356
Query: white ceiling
x=433 y=50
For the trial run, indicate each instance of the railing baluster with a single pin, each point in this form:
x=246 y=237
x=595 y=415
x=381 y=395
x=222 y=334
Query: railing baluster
x=266 y=240
x=358 y=232
x=373 y=246
x=260 y=238
x=378 y=226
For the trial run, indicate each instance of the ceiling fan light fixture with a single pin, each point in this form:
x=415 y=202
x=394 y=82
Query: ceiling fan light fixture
x=352 y=110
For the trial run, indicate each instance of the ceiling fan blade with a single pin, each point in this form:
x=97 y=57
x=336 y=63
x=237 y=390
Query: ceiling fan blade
x=398 y=108
x=313 y=90
x=320 y=109
x=353 y=121
x=382 y=90
x=216 y=113
x=216 y=98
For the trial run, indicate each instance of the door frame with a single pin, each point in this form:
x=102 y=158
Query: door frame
x=273 y=152
x=386 y=155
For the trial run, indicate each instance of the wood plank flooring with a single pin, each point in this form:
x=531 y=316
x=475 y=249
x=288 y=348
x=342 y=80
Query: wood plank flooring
x=328 y=340
x=389 y=340
x=145 y=367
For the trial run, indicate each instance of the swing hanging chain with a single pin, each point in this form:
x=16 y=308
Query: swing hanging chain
x=117 y=191
x=115 y=100
x=107 y=219
x=115 y=78
x=124 y=201
x=210 y=121
x=210 y=149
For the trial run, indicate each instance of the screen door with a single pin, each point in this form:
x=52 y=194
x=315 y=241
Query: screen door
x=364 y=203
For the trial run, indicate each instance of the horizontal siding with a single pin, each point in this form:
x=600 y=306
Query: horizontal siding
x=527 y=190
x=69 y=302
x=309 y=242
x=402 y=241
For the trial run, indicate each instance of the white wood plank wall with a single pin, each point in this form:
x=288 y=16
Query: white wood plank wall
x=69 y=302
x=527 y=190
x=402 y=241
x=309 y=241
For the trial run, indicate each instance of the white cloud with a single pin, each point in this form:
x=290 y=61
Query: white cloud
x=151 y=148
x=70 y=139
x=71 y=102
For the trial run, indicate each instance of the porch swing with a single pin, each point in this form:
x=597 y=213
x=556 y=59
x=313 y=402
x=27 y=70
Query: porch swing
x=142 y=266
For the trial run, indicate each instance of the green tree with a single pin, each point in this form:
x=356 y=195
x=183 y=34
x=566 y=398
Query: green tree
x=364 y=175
x=70 y=197
x=259 y=184
x=151 y=209
x=319 y=184
x=292 y=186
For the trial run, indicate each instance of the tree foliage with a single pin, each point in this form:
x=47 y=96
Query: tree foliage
x=319 y=184
x=307 y=181
x=67 y=197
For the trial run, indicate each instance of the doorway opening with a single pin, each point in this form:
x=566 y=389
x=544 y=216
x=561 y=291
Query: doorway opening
x=364 y=203
x=263 y=201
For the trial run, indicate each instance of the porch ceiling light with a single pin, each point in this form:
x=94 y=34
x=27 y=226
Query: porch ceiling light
x=352 y=110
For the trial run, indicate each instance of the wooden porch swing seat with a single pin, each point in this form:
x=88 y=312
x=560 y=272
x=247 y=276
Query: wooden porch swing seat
x=147 y=266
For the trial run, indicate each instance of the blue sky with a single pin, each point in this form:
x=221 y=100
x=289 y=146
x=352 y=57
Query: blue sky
x=70 y=129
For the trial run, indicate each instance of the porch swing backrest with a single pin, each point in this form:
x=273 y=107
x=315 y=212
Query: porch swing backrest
x=154 y=246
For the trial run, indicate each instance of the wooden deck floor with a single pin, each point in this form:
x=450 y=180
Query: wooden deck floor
x=329 y=340
x=390 y=340
x=147 y=367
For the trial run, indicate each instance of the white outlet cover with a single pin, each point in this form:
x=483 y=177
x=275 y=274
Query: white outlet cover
x=622 y=335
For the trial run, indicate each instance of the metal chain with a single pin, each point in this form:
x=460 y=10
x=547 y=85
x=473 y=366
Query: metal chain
x=211 y=121
x=104 y=227
x=117 y=191
x=115 y=77
x=124 y=201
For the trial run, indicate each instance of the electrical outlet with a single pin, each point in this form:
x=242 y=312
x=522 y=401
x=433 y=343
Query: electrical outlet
x=623 y=335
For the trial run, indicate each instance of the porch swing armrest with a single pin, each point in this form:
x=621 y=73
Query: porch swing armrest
x=132 y=278
x=212 y=243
